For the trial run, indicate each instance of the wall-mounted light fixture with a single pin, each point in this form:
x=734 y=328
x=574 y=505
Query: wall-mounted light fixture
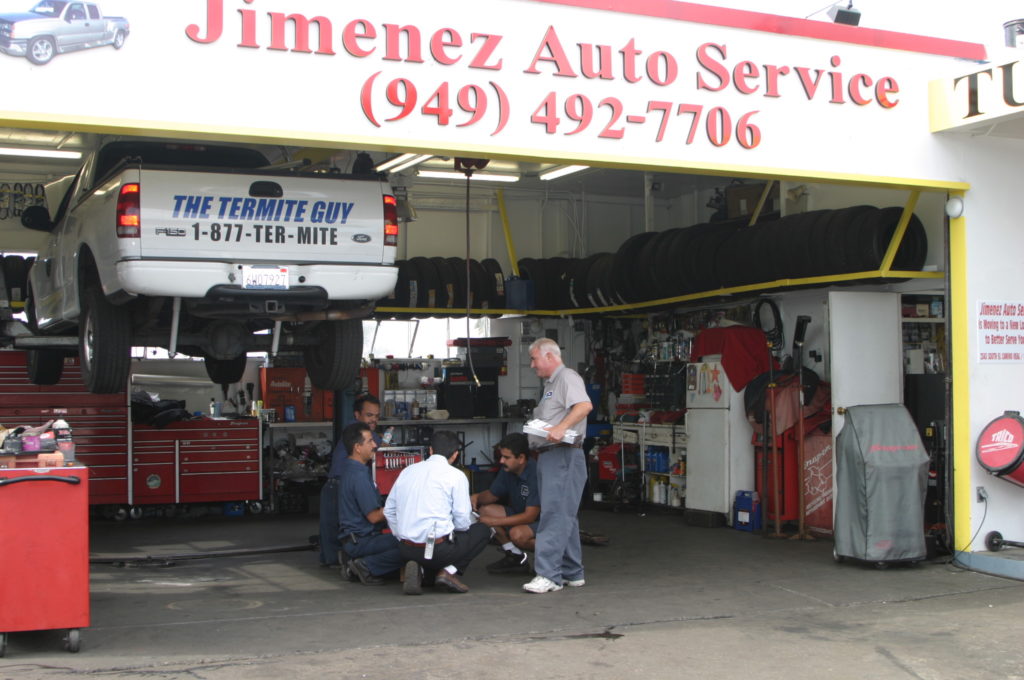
x=40 y=153
x=481 y=176
x=955 y=207
x=562 y=171
x=844 y=15
x=399 y=163
x=839 y=14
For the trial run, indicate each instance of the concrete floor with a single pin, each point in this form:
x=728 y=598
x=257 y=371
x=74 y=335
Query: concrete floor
x=663 y=600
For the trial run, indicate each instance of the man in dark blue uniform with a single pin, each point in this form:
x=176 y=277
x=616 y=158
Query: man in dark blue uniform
x=512 y=505
x=366 y=409
x=360 y=515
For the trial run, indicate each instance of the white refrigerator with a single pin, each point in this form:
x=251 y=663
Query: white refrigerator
x=719 y=450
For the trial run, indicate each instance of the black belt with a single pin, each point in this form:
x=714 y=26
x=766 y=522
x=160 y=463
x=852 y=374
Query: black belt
x=548 y=447
x=439 y=539
x=352 y=538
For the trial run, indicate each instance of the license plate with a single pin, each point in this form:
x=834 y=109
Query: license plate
x=264 y=277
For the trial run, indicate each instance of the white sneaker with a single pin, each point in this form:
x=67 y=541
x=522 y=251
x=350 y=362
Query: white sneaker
x=576 y=583
x=541 y=584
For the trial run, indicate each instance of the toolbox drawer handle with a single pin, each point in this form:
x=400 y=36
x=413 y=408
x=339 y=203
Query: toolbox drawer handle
x=42 y=478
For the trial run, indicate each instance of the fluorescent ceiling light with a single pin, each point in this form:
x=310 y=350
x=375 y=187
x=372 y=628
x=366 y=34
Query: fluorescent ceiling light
x=399 y=163
x=39 y=153
x=482 y=176
x=555 y=173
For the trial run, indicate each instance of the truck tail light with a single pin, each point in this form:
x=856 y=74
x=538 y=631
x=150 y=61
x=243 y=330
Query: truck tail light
x=390 y=220
x=129 y=224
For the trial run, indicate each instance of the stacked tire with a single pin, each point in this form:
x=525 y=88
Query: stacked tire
x=438 y=285
x=710 y=256
x=676 y=262
x=572 y=283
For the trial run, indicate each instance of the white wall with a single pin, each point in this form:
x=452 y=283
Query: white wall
x=995 y=264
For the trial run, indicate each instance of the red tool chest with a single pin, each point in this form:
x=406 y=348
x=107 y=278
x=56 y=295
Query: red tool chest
x=190 y=461
x=99 y=422
x=44 y=563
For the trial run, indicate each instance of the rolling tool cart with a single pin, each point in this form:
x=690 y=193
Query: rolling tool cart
x=44 y=563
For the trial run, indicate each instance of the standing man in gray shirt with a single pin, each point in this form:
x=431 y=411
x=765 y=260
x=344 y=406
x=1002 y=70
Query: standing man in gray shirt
x=561 y=470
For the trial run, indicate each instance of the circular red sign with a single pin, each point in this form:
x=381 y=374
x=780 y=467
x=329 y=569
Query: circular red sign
x=1000 y=443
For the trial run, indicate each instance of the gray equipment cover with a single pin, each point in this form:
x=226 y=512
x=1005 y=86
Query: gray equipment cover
x=881 y=481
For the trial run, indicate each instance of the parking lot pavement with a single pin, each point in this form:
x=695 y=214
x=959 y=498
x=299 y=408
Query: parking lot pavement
x=662 y=600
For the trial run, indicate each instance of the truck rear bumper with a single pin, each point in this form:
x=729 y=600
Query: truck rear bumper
x=170 y=278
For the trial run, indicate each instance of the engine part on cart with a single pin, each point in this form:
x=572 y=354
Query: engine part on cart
x=24 y=440
x=301 y=461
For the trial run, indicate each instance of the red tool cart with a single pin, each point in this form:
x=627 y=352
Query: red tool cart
x=390 y=462
x=44 y=563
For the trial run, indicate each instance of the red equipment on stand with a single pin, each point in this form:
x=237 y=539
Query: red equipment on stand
x=786 y=446
x=44 y=563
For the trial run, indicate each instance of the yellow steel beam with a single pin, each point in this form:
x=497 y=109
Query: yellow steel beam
x=901 y=229
x=960 y=332
x=760 y=202
x=508 y=233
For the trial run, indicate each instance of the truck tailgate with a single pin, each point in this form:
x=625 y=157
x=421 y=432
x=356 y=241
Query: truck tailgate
x=262 y=218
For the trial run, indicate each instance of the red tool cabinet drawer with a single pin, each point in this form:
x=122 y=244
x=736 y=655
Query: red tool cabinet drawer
x=220 y=486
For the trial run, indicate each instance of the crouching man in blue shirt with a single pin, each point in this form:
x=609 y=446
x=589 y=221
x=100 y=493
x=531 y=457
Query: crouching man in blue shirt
x=360 y=516
x=511 y=506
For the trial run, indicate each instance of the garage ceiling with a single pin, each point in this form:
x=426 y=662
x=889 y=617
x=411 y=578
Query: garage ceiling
x=593 y=181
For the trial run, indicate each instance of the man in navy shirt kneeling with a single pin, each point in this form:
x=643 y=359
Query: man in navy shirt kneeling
x=512 y=505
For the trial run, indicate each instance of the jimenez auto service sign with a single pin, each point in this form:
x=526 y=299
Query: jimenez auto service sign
x=629 y=83
x=1000 y=332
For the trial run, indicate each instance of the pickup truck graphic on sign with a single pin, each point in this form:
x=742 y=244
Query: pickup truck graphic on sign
x=54 y=27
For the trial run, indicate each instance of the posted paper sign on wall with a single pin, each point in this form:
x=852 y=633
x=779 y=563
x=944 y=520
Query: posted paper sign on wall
x=1000 y=332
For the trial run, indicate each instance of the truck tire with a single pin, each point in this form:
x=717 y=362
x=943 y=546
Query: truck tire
x=41 y=50
x=16 y=276
x=45 y=366
x=225 y=371
x=333 y=362
x=104 y=343
x=119 y=40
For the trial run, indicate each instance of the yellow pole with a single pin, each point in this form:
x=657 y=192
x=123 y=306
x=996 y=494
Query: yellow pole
x=959 y=323
x=508 y=233
x=901 y=228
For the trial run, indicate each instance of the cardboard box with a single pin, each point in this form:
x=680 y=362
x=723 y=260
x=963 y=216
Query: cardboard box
x=741 y=199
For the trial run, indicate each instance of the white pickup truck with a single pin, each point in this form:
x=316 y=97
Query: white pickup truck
x=206 y=250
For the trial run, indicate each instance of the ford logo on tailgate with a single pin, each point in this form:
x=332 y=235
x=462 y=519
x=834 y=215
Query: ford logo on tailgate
x=361 y=238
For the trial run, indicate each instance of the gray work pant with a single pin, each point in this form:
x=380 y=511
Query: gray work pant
x=562 y=473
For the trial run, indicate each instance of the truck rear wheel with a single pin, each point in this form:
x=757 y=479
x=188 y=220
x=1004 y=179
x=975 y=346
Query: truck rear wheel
x=41 y=50
x=333 y=363
x=45 y=366
x=119 y=40
x=104 y=342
